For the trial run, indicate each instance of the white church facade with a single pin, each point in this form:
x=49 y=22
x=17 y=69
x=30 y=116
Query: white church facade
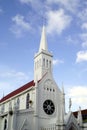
x=39 y=104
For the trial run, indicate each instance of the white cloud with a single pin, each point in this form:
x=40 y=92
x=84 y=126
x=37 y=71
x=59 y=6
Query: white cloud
x=69 y=39
x=70 y=5
x=84 y=44
x=5 y=88
x=13 y=74
x=78 y=91
x=84 y=26
x=81 y=56
x=78 y=94
x=37 y=5
x=25 y=1
x=72 y=40
x=57 y=21
x=11 y=80
x=84 y=38
x=56 y=62
x=19 y=25
x=83 y=14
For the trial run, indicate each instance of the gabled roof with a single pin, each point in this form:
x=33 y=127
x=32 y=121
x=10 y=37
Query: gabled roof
x=84 y=115
x=70 y=120
x=19 y=90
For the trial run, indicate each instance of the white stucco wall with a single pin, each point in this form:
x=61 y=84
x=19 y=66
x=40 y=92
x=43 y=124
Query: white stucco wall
x=13 y=100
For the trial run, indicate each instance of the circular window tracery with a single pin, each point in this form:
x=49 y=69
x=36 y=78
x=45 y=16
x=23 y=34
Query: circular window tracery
x=49 y=107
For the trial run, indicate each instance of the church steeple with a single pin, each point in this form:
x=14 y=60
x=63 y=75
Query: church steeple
x=43 y=59
x=43 y=42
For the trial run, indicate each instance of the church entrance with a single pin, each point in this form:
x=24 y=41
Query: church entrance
x=72 y=128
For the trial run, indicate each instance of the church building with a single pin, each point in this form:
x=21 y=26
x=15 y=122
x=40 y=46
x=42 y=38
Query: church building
x=39 y=104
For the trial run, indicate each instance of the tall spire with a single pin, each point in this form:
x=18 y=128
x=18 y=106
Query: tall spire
x=43 y=42
x=43 y=59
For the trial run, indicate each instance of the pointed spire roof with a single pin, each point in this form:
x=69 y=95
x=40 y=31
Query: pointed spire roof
x=43 y=42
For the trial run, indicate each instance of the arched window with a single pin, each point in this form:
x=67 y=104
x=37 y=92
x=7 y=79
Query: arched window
x=50 y=64
x=10 y=105
x=2 y=108
x=18 y=103
x=5 y=124
x=44 y=62
x=27 y=101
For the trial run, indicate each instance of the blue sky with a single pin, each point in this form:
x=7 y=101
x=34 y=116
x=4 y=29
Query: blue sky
x=20 y=31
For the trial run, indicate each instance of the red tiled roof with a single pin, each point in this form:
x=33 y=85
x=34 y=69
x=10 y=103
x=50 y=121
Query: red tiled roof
x=19 y=90
x=84 y=112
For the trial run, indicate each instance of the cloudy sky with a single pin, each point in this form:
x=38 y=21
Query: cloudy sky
x=20 y=30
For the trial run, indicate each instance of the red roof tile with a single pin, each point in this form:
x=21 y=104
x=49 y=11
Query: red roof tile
x=19 y=90
x=84 y=112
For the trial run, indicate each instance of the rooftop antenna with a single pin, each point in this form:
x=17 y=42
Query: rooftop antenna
x=44 y=19
x=44 y=16
x=70 y=104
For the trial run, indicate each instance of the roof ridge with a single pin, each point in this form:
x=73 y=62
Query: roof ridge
x=42 y=77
